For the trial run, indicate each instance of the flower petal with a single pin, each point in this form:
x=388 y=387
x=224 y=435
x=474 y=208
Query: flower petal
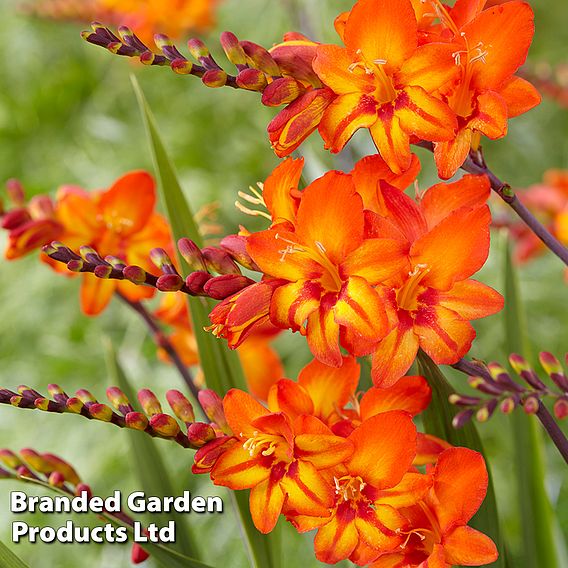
x=266 y=500
x=465 y=546
x=471 y=299
x=444 y=335
x=236 y=469
x=382 y=30
x=444 y=198
x=384 y=447
x=280 y=254
x=428 y=448
x=308 y=493
x=96 y=294
x=322 y=451
x=330 y=388
x=425 y=116
x=337 y=539
x=360 y=309
x=411 y=488
x=411 y=394
x=277 y=190
x=344 y=116
x=291 y=398
x=241 y=410
x=455 y=248
x=331 y=201
x=505 y=33
x=395 y=353
x=452 y=154
x=460 y=484
x=490 y=116
x=128 y=204
x=377 y=526
x=520 y=96
x=292 y=303
x=377 y=260
x=391 y=140
x=322 y=332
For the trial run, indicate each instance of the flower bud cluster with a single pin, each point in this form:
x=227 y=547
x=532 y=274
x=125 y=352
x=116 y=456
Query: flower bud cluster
x=506 y=394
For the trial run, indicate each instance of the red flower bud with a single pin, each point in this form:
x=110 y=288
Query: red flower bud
x=200 y=434
x=222 y=287
x=282 y=91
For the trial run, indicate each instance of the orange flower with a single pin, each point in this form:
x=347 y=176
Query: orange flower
x=438 y=535
x=364 y=521
x=329 y=277
x=385 y=82
x=119 y=221
x=489 y=47
x=448 y=238
x=278 y=459
x=145 y=17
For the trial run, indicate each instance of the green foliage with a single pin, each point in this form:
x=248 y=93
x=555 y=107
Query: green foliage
x=8 y=559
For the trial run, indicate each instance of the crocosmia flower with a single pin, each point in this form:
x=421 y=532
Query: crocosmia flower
x=278 y=459
x=119 y=221
x=386 y=82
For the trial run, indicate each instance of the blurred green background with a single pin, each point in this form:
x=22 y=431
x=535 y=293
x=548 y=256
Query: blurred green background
x=68 y=116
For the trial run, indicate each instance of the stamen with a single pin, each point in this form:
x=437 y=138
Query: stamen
x=253 y=212
x=255 y=199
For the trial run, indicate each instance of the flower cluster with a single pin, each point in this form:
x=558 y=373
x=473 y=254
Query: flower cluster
x=347 y=467
x=410 y=71
x=391 y=277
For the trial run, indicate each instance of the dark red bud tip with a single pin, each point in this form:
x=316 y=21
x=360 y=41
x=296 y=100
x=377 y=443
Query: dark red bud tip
x=138 y=554
x=169 y=283
x=214 y=78
x=136 y=421
x=251 y=80
x=15 y=218
x=200 y=434
x=181 y=66
x=56 y=479
x=149 y=402
x=282 y=92
x=165 y=425
x=103 y=271
x=84 y=488
x=222 y=287
x=561 y=408
x=197 y=48
x=181 y=406
x=196 y=281
x=462 y=418
x=531 y=404
x=135 y=274
x=219 y=261
x=236 y=246
x=232 y=48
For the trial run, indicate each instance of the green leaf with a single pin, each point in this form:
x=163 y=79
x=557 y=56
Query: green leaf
x=8 y=559
x=151 y=471
x=221 y=367
x=437 y=420
x=537 y=516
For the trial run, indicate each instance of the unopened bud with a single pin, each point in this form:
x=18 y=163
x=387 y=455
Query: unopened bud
x=236 y=246
x=181 y=406
x=35 y=461
x=531 y=404
x=462 y=418
x=24 y=472
x=196 y=281
x=200 y=434
x=519 y=363
x=486 y=411
x=212 y=405
x=197 y=48
x=460 y=400
x=251 y=80
x=41 y=207
x=75 y=405
x=222 y=287
x=206 y=457
x=191 y=253
x=119 y=400
x=260 y=58
x=136 y=421
x=165 y=425
x=219 y=261
x=149 y=402
x=233 y=49
x=282 y=92
x=57 y=393
x=214 y=78
x=10 y=459
x=138 y=554
x=101 y=412
x=135 y=274
x=181 y=66
x=84 y=488
x=91 y=255
x=480 y=384
x=85 y=396
x=56 y=479
x=550 y=363
x=561 y=408
x=508 y=405
x=103 y=271
x=15 y=218
x=162 y=260
x=57 y=464
x=169 y=283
